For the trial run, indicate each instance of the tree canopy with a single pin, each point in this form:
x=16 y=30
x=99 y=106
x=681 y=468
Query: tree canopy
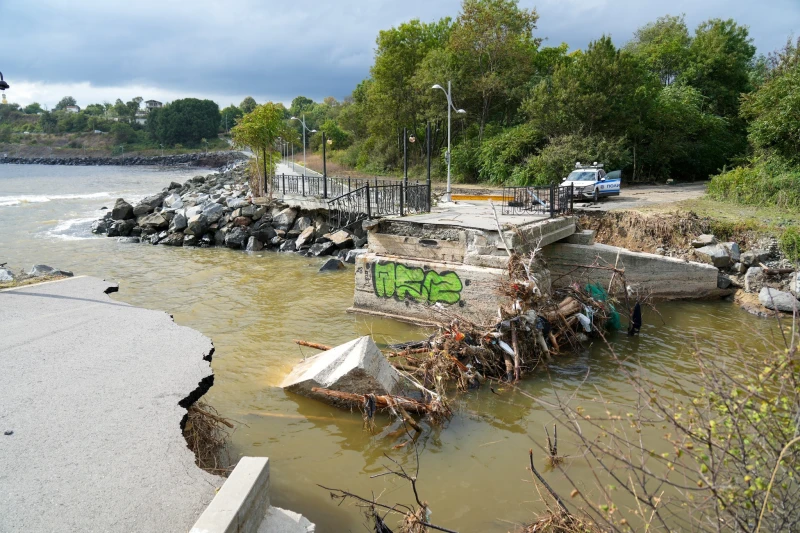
x=184 y=121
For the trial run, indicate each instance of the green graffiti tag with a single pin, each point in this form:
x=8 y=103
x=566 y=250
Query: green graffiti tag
x=396 y=280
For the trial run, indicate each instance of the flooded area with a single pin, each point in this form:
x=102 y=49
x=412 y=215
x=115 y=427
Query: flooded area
x=252 y=305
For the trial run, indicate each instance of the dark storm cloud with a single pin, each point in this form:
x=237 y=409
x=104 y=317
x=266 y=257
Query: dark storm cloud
x=277 y=50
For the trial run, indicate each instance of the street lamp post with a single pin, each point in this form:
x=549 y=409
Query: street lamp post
x=305 y=129
x=450 y=106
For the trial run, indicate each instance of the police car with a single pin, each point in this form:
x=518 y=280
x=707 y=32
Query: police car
x=592 y=183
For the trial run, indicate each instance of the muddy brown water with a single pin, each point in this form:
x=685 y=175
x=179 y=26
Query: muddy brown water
x=472 y=471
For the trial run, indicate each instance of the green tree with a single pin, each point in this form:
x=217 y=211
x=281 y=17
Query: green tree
x=123 y=133
x=248 y=104
x=95 y=109
x=259 y=130
x=230 y=115
x=300 y=105
x=185 y=121
x=663 y=46
x=494 y=44
x=720 y=59
x=64 y=102
x=33 y=109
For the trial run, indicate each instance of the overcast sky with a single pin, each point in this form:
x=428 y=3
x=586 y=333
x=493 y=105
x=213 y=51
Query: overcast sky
x=98 y=50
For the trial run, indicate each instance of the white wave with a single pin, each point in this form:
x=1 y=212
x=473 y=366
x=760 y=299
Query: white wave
x=71 y=229
x=7 y=201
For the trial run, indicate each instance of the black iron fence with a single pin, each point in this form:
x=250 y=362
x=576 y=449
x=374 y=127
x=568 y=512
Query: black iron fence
x=549 y=201
x=378 y=200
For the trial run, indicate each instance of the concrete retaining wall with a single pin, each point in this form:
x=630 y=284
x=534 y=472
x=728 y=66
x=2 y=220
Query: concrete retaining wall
x=409 y=288
x=664 y=277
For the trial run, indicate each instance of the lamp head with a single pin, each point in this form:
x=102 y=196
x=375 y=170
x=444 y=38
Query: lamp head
x=293 y=118
x=313 y=131
x=3 y=84
x=437 y=86
x=460 y=111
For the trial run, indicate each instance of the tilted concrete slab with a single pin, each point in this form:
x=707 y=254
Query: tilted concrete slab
x=91 y=388
x=357 y=366
x=663 y=277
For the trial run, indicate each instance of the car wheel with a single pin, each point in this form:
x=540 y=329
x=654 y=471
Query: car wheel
x=595 y=196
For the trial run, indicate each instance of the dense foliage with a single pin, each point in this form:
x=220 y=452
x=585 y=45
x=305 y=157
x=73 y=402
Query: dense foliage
x=184 y=121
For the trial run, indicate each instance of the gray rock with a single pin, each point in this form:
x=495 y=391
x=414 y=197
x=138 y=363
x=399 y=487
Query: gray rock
x=178 y=223
x=38 y=271
x=733 y=251
x=236 y=238
x=121 y=228
x=701 y=241
x=6 y=275
x=332 y=264
x=723 y=281
x=740 y=268
x=718 y=255
x=306 y=236
x=191 y=240
x=142 y=209
x=356 y=367
x=322 y=249
x=129 y=240
x=777 y=300
x=156 y=220
x=276 y=241
x=254 y=245
x=197 y=225
x=99 y=226
x=754 y=257
x=289 y=245
x=754 y=279
x=259 y=213
x=173 y=239
x=122 y=210
x=235 y=203
x=352 y=254
x=284 y=219
x=302 y=223
x=172 y=201
x=341 y=239
x=153 y=201
x=213 y=212
x=247 y=211
x=359 y=242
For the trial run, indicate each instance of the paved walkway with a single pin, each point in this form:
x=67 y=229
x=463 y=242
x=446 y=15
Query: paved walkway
x=90 y=388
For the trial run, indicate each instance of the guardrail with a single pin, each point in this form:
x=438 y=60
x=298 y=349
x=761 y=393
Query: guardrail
x=376 y=201
x=548 y=201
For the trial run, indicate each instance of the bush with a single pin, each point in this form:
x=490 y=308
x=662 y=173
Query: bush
x=558 y=158
x=768 y=181
x=499 y=156
x=790 y=244
x=123 y=133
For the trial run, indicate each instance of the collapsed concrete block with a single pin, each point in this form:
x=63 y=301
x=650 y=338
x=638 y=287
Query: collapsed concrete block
x=778 y=300
x=357 y=367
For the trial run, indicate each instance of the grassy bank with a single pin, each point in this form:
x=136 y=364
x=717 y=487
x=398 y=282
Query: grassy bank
x=765 y=182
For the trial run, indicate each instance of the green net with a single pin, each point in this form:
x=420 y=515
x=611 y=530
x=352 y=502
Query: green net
x=599 y=294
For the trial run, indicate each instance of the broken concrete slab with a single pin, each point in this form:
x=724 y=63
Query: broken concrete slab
x=720 y=255
x=357 y=367
x=704 y=240
x=96 y=407
x=778 y=300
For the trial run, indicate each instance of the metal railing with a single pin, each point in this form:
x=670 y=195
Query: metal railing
x=377 y=201
x=551 y=201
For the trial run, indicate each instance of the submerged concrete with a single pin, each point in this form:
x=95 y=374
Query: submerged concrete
x=92 y=390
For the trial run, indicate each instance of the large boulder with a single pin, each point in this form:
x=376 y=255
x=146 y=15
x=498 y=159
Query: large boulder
x=178 y=223
x=263 y=234
x=306 y=236
x=197 y=225
x=331 y=265
x=213 y=212
x=356 y=367
x=302 y=223
x=754 y=279
x=173 y=201
x=141 y=209
x=754 y=257
x=122 y=210
x=155 y=221
x=6 y=274
x=285 y=219
x=778 y=300
x=235 y=203
x=236 y=238
x=321 y=249
x=99 y=226
x=254 y=245
x=341 y=239
x=720 y=255
x=173 y=239
x=148 y=204
x=704 y=240
x=121 y=228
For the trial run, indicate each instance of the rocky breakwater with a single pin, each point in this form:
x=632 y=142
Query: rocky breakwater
x=765 y=281
x=209 y=160
x=218 y=210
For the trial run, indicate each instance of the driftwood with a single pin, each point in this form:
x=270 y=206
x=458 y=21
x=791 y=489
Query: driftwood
x=381 y=401
x=770 y=271
x=315 y=345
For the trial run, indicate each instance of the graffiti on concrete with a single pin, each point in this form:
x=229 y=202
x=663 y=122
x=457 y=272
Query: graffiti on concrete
x=396 y=280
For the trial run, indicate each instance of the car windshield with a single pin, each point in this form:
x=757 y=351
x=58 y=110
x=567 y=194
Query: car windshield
x=582 y=175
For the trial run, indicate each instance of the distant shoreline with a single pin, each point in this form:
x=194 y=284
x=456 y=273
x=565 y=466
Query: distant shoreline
x=210 y=160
